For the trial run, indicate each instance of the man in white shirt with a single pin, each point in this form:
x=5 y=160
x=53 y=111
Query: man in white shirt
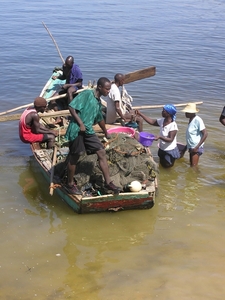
x=115 y=107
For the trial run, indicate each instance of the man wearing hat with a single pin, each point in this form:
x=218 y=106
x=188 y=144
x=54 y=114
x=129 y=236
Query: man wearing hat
x=30 y=129
x=196 y=133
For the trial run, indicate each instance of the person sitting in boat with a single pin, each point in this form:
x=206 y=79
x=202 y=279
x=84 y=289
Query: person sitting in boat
x=74 y=79
x=117 y=109
x=168 y=151
x=86 y=111
x=30 y=129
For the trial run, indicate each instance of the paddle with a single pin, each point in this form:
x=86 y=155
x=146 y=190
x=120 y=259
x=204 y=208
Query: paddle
x=132 y=76
x=66 y=112
x=52 y=170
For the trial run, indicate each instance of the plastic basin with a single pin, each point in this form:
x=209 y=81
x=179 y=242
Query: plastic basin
x=127 y=130
x=146 y=138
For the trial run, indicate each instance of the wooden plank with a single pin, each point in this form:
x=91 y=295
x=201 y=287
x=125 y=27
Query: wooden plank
x=140 y=74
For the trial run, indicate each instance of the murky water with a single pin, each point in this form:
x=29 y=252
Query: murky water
x=173 y=251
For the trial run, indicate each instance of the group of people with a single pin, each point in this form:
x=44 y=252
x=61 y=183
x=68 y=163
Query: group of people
x=169 y=149
x=86 y=110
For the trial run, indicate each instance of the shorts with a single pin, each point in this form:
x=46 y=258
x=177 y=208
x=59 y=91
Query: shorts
x=88 y=143
x=169 y=155
x=200 y=151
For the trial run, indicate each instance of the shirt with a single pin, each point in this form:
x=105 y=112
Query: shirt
x=164 y=131
x=89 y=109
x=193 y=132
x=114 y=95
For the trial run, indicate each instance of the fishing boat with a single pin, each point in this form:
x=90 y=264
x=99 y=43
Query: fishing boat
x=92 y=200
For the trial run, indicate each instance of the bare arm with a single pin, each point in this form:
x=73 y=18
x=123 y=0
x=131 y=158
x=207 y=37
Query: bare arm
x=118 y=110
x=147 y=119
x=78 y=84
x=204 y=136
x=168 y=139
x=39 y=128
x=102 y=126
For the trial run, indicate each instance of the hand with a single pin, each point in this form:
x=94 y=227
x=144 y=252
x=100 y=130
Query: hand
x=193 y=150
x=156 y=138
x=137 y=112
x=54 y=77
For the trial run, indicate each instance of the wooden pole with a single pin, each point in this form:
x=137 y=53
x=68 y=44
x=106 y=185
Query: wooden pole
x=54 y=42
x=66 y=112
x=159 y=106
x=52 y=170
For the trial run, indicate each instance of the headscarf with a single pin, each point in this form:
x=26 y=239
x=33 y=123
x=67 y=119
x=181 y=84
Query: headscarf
x=171 y=109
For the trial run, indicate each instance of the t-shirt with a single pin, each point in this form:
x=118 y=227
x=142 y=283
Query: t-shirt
x=89 y=109
x=193 y=132
x=164 y=131
x=114 y=95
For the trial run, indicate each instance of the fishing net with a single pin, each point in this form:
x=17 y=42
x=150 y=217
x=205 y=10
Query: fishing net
x=127 y=159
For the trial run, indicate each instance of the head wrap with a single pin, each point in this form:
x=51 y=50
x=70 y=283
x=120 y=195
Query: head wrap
x=171 y=109
x=39 y=101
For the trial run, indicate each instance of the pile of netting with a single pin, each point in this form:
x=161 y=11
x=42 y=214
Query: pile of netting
x=128 y=160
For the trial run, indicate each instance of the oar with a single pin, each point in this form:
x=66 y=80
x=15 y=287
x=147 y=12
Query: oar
x=132 y=76
x=66 y=112
x=159 y=106
x=54 y=42
x=52 y=171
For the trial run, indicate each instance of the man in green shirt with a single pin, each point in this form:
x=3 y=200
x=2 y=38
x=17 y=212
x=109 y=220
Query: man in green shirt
x=86 y=110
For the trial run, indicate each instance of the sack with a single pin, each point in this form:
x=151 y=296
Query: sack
x=126 y=99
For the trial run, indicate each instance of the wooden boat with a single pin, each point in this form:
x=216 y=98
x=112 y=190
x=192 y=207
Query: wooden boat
x=48 y=159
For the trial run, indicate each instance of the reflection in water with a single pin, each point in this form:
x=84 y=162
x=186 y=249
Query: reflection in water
x=93 y=245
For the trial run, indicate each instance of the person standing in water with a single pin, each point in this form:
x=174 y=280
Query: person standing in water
x=168 y=151
x=196 y=134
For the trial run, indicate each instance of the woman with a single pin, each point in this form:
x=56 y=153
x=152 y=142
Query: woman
x=168 y=151
x=196 y=133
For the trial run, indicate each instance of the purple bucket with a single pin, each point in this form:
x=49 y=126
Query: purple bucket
x=146 y=138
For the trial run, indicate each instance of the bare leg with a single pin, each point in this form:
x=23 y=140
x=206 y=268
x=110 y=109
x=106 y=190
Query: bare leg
x=50 y=140
x=71 y=168
x=70 y=92
x=194 y=158
x=103 y=165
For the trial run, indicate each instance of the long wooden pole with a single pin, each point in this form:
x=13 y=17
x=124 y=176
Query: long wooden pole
x=66 y=112
x=54 y=42
x=159 y=106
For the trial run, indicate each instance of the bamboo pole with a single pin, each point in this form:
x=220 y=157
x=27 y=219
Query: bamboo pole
x=66 y=112
x=160 y=106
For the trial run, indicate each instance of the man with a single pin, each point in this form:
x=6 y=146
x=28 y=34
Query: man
x=74 y=80
x=115 y=107
x=30 y=129
x=222 y=117
x=86 y=111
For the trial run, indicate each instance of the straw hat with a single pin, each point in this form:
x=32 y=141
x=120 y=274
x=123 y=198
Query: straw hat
x=190 y=108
